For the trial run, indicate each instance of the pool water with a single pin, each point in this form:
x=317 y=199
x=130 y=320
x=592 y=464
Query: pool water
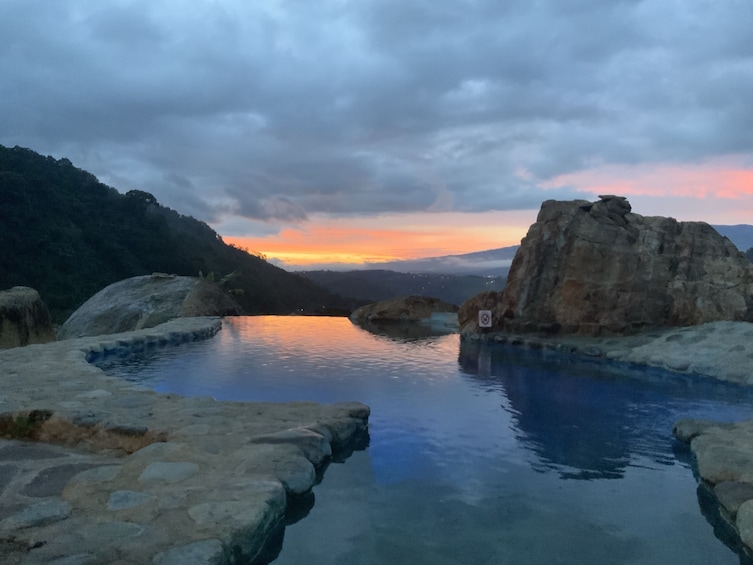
x=477 y=454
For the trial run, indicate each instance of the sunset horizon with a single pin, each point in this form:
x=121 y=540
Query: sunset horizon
x=344 y=244
x=353 y=243
x=334 y=133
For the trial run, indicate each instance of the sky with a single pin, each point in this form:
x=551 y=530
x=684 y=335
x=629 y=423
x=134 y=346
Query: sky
x=348 y=132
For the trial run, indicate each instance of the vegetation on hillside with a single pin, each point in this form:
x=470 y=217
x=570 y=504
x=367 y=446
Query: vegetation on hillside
x=67 y=235
x=375 y=285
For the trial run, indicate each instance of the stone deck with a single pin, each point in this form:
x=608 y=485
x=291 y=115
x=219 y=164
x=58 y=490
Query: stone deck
x=94 y=469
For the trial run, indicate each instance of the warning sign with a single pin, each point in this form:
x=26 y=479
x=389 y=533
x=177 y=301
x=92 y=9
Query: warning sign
x=484 y=318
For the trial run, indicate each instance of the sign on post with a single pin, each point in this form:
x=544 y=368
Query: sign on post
x=484 y=318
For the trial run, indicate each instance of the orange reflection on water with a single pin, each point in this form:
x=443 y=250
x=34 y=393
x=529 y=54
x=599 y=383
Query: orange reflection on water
x=327 y=338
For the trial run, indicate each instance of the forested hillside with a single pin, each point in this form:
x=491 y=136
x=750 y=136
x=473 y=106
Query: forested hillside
x=376 y=285
x=68 y=235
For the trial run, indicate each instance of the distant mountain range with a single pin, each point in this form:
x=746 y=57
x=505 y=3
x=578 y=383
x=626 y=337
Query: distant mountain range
x=490 y=263
x=452 y=278
x=374 y=285
x=741 y=235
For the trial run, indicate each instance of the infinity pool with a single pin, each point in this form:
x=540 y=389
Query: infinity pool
x=477 y=454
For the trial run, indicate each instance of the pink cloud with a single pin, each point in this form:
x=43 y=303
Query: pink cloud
x=717 y=191
x=728 y=177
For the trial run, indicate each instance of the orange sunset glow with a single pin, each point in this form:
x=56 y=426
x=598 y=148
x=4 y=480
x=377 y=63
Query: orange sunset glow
x=358 y=241
x=718 y=191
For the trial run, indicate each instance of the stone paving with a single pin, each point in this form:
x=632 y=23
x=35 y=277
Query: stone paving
x=98 y=470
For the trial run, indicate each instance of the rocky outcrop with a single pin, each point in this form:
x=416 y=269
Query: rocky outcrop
x=596 y=268
x=24 y=318
x=145 y=302
x=406 y=309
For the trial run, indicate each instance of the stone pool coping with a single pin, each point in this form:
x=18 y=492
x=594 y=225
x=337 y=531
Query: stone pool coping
x=720 y=350
x=128 y=475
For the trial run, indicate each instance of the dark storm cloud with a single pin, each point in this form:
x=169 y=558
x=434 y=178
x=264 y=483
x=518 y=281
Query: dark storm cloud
x=284 y=109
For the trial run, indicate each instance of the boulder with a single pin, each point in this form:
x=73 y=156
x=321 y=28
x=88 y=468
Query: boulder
x=596 y=268
x=406 y=309
x=24 y=318
x=145 y=302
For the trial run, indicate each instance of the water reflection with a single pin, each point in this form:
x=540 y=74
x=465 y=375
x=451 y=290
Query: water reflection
x=299 y=507
x=580 y=419
x=590 y=421
x=404 y=331
x=469 y=445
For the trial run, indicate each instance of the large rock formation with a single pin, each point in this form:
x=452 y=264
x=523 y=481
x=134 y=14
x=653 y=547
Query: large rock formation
x=145 y=302
x=24 y=318
x=596 y=268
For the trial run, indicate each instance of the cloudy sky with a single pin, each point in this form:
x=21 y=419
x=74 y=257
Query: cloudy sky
x=366 y=130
